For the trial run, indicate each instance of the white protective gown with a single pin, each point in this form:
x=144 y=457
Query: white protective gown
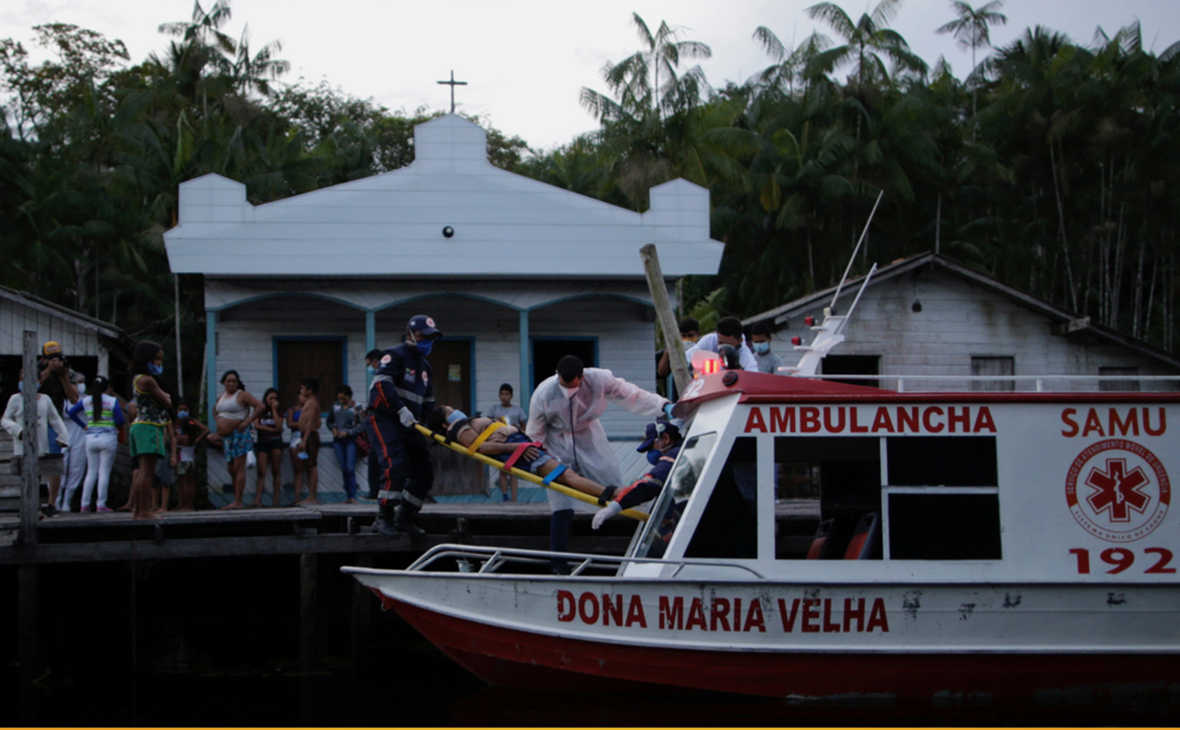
x=570 y=430
x=47 y=415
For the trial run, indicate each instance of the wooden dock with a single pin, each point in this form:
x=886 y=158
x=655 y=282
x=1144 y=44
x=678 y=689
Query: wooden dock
x=310 y=529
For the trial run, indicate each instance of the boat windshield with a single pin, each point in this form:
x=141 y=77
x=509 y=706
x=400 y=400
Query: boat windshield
x=685 y=475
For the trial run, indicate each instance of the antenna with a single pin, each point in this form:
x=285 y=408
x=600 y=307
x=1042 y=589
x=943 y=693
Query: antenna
x=852 y=258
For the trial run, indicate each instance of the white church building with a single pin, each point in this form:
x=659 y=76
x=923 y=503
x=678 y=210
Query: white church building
x=515 y=272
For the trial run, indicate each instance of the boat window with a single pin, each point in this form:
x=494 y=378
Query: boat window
x=944 y=527
x=943 y=498
x=953 y=461
x=843 y=506
x=728 y=528
x=670 y=505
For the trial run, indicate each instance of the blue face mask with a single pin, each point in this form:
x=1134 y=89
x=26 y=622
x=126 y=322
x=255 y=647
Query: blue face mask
x=425 y=346
x=653 y=456
x=182 y=415
x=456 y=416
x=155 y=369
x=761 y=347
x=370 y=370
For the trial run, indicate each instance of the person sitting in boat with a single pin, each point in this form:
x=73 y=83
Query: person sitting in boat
x=661 y=442
x=507 y=444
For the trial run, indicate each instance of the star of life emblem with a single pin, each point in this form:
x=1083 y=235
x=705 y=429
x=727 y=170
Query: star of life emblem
x=1118 y=490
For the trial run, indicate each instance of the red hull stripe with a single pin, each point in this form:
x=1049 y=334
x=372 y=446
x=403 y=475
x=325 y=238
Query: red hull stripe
x=512 y=658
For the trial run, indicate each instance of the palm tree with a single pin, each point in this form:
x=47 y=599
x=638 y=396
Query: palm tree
x=636 y=80
x=204 y=28
x=253 y=73
x=971 y=29
x=865 y=42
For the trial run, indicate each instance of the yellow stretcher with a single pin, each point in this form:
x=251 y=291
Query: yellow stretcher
x=521 y=473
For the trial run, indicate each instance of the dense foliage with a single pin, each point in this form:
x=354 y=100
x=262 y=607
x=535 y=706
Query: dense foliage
x=1053 y=166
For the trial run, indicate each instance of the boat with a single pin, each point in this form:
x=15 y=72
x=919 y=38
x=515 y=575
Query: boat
x=970 y=543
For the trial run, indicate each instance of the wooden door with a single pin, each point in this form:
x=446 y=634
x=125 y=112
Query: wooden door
x=300 y=359
x=450 y=366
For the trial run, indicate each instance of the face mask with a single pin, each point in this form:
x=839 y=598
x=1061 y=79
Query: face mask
x=425 y=346
x=455 y=417
x=155 y=369
x=761 y=347
x=653 y=456
x=370 y=370
x=81 y=388
x=569 y=392
x=21 y=386
x=182 y=415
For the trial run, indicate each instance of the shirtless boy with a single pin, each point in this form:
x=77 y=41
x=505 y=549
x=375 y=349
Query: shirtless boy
x=309 y=442
x=501 y=445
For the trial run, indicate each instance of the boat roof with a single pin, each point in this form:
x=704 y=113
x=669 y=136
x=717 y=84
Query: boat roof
x=754 y=387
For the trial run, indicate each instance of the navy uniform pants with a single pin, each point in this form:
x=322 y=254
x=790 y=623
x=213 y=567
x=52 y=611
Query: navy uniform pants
x=406 y=473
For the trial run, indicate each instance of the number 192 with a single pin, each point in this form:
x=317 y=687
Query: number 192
x=1119 y=559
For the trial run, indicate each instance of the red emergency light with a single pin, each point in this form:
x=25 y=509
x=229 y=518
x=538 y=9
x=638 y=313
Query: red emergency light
x=796 y=340
x=705 y=363
x=809 y=321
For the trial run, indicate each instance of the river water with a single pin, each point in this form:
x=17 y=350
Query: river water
x=215 y=643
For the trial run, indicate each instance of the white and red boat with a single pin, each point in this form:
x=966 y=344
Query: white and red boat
x=992 y=543
x=970 y=544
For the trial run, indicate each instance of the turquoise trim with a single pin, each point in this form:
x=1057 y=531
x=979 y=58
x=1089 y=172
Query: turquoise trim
x=407 y=300
x=593 y=295
x=370 y=343
x=526 y=382
x=210 y=368
x=445 y=295
x=285 y=294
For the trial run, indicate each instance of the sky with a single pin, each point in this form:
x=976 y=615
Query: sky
x=526 y=61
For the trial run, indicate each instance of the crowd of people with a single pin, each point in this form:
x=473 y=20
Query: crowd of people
x=560 y=437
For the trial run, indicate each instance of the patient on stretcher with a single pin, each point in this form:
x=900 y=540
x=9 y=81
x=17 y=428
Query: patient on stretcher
x=507 y=444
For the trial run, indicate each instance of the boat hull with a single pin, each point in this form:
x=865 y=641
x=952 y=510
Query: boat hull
x=513 y=658
x=1015 y=641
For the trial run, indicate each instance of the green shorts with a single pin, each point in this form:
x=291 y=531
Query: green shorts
x=146 y=438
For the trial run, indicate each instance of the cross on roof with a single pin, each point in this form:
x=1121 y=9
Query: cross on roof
x=453 y=83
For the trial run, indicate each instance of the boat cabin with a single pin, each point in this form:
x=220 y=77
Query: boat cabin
x=918 y=486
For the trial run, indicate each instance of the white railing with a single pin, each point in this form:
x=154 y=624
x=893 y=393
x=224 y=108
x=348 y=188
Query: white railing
x=492 y=559
x=1032 y=383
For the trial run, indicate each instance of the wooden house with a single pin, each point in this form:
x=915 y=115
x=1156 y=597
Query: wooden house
x=926 y=316
x=92 y=346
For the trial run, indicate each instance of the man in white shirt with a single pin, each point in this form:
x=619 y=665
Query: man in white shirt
x=563 y=416
x=729 y=332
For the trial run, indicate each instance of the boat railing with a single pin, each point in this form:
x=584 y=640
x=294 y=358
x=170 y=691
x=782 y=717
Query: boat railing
x=1007 y=383
x=492 y=559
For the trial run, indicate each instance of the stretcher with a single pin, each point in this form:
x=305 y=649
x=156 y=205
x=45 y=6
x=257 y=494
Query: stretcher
x=546 y=482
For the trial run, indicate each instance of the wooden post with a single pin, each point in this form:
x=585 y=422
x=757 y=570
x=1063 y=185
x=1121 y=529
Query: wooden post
x=308 y=588
x=30 y=503
x=362 y=612
x=659 y=296
x=28 y=641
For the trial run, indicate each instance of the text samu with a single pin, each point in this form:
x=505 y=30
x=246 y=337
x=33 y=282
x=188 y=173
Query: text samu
x=803 y=615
